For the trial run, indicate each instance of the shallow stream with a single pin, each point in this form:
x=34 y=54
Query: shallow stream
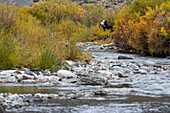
x=149 y=93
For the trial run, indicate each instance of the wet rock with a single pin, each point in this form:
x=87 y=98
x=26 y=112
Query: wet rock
x=54 y=73
x=28 y=99
x=144 y=68
x=41 y=78
x=12 y=80
x=124 y=57
x=40 y=96
x=117 y=68
x=71 y=80
x=46 y=72
x=2 y=110
x=19 y=76
x=93 y=56
x=52 y=78
x=168 y=57
x=133 y=66
x=115 y=72
x=65 y=74
x=61 y=83
x=127 y=80
x=7 y=72
x=157 y=66
x=105 y=72
x=92 y=80
x=101 y=92
x=113 y=77
x=25 y=76
x=5 y=105
x=126 y=71
x=142 y=71
x=124 y=85
x=3 y=78
x=35 y=99
x=149 y=63
x=28 y=72
x=28 y=81
x=121 y=75
x=73 y=96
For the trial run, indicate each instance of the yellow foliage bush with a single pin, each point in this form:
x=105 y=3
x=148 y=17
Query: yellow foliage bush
x=56 y=10
x=147 y=33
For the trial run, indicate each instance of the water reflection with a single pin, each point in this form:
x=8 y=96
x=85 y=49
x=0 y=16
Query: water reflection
x=95 y=106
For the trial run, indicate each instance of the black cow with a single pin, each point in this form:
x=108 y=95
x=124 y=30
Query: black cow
x=39 y=0
x=105 y=26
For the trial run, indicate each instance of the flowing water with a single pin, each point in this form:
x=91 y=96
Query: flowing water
x=150 y=93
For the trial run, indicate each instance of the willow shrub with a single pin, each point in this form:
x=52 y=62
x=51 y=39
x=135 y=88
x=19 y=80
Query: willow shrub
x=56 y=10
x=145 y=33
x=141 y=5
x=42 y=36
x=94 y=14
x=23 y=40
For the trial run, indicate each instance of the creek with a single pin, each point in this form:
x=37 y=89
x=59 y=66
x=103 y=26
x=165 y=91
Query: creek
x=143 y=93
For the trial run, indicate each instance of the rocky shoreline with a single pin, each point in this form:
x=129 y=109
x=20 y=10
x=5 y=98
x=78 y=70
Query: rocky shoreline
x=106 y=74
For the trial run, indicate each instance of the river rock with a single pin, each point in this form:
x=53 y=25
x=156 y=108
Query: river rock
x=121 y=75
x=142 y=71
x=28 y=81
x=25 y=76
x=168 y=57
x=69 y=62
x=61 y=83
x=105 y=72
x=52 y=78
x=7 y=72
x=133 y=66
x=115 y=72
x=149 y=63
x=115 y=85
x=92 y=80
x=145 y=68
x=124 y=57
x=117 y=68
x=71 y=80
x=100 y=92
x=19 y=76
x=65 y=74
x=2 y=110
x=12 y=80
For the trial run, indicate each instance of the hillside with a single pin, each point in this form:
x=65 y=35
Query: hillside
x=104 y=3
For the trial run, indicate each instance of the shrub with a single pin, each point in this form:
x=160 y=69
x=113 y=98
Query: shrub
x=147 y=33
x=93 y=15
x=56 y=10
x=142 y=5
x=34 y=37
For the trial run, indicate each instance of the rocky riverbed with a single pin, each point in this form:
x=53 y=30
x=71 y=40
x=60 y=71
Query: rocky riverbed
x=109 y=79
